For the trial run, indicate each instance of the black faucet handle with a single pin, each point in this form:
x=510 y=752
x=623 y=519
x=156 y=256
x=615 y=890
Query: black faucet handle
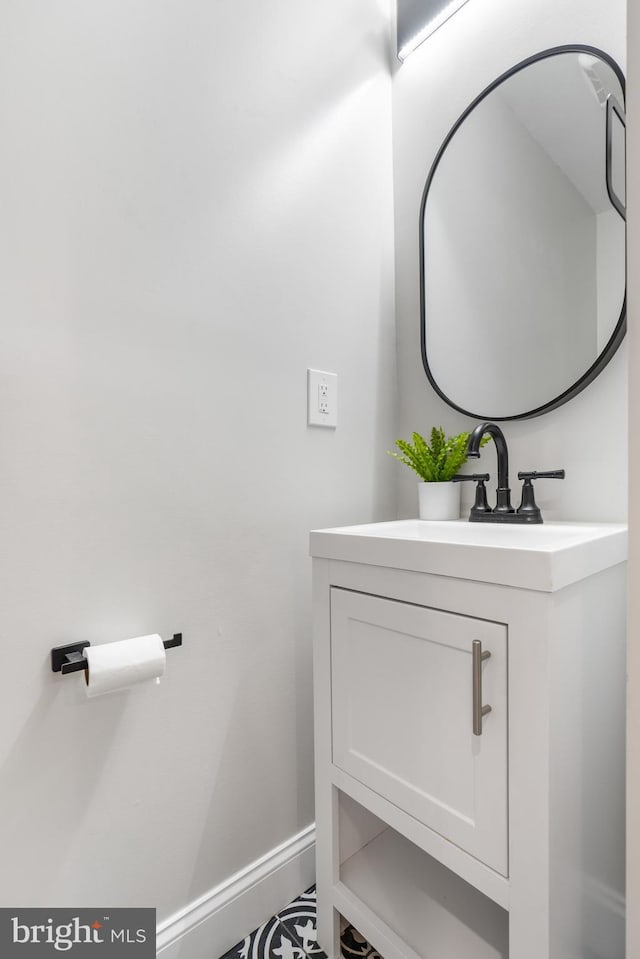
x=542 y=474
x=465 y=477
x=528 y=507
x=481 y=505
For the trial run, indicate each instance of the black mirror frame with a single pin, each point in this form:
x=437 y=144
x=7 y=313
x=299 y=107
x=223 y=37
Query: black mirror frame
x=621 y=327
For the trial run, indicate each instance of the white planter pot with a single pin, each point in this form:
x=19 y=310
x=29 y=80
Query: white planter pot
x=439 y=500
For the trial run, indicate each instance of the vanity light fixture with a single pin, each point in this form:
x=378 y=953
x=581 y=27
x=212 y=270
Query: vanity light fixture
x=438 y=12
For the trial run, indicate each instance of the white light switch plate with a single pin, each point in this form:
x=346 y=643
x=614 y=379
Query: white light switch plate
x=322 y=398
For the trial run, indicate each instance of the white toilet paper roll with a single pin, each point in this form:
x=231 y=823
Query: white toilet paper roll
x=120 y=665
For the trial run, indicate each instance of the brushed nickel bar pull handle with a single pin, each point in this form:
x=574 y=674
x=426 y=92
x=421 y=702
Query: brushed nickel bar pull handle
x=479 y=710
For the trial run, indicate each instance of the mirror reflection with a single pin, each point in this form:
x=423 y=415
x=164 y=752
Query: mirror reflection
x=522 y=245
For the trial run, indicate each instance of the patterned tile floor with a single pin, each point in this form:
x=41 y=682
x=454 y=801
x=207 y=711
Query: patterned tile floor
x=292 y=935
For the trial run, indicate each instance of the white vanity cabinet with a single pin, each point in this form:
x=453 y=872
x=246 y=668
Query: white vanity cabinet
x=469 y=710
x=401 y=693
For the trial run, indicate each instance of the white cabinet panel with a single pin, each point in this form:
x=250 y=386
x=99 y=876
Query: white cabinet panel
x=402 y=696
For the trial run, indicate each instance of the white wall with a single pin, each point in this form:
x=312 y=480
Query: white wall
x=431 y=89
x=196 y=206
x=633 y=647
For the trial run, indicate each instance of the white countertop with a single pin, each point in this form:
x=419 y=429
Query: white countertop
x=545 y=557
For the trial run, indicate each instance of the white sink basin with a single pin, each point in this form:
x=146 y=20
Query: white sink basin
x=545 y=557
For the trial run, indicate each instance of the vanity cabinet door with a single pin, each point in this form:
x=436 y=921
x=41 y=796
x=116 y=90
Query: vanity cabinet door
x=402 y=716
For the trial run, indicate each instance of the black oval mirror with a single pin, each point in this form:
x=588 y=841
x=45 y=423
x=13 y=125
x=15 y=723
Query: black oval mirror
x=522 y=238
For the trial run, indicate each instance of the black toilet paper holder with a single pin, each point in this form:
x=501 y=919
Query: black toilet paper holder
x=69 y=658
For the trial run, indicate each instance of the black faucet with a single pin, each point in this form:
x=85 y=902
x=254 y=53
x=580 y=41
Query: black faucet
x=503 y=511
x=503 y=493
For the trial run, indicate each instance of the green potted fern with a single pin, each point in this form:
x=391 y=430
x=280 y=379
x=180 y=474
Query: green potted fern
x=436 y=464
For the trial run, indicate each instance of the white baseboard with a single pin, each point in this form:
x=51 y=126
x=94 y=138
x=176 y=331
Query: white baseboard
x=212 y=924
